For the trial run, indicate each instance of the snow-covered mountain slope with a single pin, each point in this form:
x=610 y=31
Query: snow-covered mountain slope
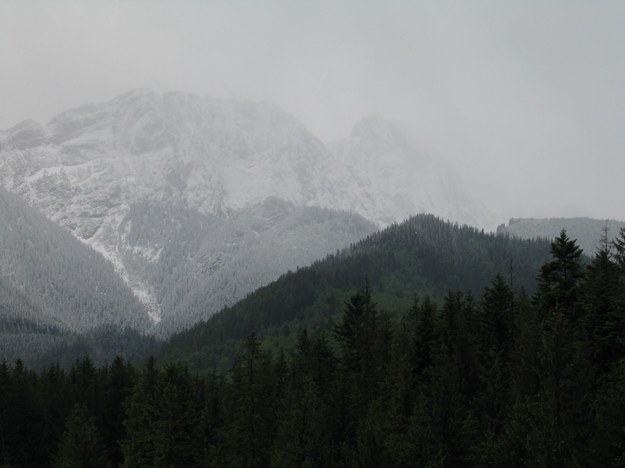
x=384 y=176
x=215 y=163
x=51 y=284
x=197 y=263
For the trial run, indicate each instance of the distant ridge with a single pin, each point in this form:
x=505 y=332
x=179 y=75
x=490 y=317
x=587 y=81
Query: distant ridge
x=587 y=231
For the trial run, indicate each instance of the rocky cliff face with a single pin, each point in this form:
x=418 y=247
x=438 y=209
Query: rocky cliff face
x=224 y=182
x=384 y=176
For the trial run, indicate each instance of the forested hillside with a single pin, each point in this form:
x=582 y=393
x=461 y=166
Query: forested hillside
x=196 y=264
x=422 y=255
x=503 y=379
x=52 y=284
x=24 y=330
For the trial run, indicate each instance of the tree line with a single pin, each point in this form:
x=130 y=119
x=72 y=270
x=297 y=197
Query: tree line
x=423 y=255
x=506 y=379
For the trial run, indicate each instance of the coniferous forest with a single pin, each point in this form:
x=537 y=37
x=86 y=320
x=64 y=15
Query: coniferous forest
x=423 y=255
x=505 y=379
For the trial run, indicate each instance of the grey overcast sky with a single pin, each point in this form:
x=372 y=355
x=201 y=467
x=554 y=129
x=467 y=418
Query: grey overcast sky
x=526 y=98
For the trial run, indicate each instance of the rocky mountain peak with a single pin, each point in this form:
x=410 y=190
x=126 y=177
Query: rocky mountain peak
x=383 y=133
x=22 y=136
x=247 y=165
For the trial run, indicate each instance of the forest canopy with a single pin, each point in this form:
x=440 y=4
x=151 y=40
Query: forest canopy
x=502 y=379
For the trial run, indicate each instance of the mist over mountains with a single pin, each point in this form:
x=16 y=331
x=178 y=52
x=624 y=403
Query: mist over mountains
x=587 y=232
x=198 y=201
x=269 y=234
x=170 y=226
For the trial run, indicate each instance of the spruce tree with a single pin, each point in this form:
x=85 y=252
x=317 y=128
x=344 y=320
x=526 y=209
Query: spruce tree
x=424 y=335
x=560 y=278
x=619 y=247
x=176 y=419
x=140 y=408
x=560 y=405
x=302 y=432
x=250 y=404
x=6 y=426
x=607 y=441
x=443 y=426
x=364 y=338
x=212 y=419
x=604 y=310
x=392 y=411
x=495 y=342
x=81 y=445
x=118 y=385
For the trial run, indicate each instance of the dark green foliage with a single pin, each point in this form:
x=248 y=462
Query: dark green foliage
x=102 y=344
x=81 y=445
x=503 y=380
x=424 y=316
x=607 y=441
x=176 y=418
x=560 y=407
x=495 y=335
x=423 y=255
x=364 y=338
x=138 y=445
x=619 y=247
x=303 y=429
x=163 y=422
x=559 y=279
x=20 y=415
x=251 y=404
x=604 y=302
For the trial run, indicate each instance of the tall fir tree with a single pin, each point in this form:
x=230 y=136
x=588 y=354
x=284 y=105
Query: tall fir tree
x=604 y=310
x=81 y=445
x=250 y=403
x=138 y=446
x=176 y=424
x=562 y=422
x=363 y=336
x=494 y=335
x=302 y=435
x=560 y=278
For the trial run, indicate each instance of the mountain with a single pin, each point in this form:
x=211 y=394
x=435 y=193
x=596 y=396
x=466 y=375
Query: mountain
x=199 y=263
x=423 y=255
x=180 y=192
x=23 y=332
x=587 y=231
x=52 y=285
x=385 y=177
